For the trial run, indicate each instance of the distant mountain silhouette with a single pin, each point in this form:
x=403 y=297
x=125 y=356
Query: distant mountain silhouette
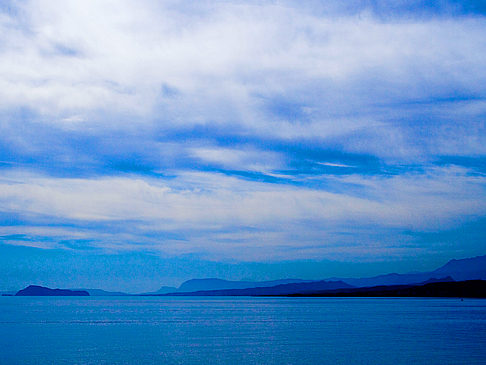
x=163 y=290
x=102 y=293
x=282 y=289
x=220 y=284
x=34 y=290
x=459 y=289
x=447 y=279
x=466 y=269
x=455 y=270
x=459 y=270
x=387 y=279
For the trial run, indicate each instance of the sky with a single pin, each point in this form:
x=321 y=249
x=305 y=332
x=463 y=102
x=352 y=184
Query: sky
x=146 y=143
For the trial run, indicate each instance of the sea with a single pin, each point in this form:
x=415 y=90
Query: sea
x=241 y=330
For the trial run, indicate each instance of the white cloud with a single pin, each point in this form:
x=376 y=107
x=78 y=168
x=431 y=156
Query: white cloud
x=70 y=60
x=331 y=164
x=261 y=70
x=205 y=205
x=240 y=159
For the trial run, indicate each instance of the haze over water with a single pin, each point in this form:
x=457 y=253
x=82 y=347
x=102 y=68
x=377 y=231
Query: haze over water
x=144 y=330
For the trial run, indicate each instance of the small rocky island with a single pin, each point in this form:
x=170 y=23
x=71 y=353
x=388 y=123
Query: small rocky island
x=35 y=290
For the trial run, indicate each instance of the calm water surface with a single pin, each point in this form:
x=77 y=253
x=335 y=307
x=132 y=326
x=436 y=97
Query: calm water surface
x=139 y=330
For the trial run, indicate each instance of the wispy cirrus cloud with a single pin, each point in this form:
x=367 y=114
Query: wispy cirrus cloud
x=204 y=208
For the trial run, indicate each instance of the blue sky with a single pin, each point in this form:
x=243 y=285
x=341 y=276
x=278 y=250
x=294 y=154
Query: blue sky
x=145 y=143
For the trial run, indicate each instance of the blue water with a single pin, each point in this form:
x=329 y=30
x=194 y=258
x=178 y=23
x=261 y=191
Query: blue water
x=147 y=330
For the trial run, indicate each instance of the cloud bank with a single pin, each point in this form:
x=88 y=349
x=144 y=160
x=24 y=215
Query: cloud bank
x=324 y=130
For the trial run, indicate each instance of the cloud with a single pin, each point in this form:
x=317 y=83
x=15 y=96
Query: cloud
x=202 y=212
x=291 y=130
x=240 y=159
x=331 y=164
x=225 y=63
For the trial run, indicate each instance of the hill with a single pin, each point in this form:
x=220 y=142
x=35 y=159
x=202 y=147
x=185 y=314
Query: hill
x=220 y=284
x=456 y=289
x=459 y=270
x=102 y=293
x=465 y=269
x=34 y=290
x=282 y=289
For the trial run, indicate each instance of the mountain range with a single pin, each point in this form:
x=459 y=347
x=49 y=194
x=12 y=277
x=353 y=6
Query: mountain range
x=454 y=289
x=454 y=270
x=459 y=270
x=102 y=293
x=195 y=285
x=281 y=289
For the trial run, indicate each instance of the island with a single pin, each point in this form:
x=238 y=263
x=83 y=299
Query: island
x=35 y=290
